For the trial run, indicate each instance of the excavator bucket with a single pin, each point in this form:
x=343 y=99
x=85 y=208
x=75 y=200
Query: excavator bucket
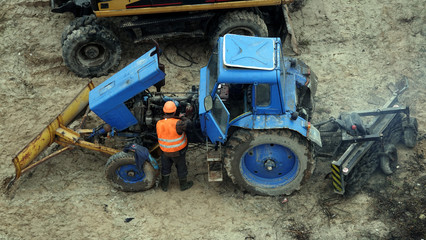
x=23 y=161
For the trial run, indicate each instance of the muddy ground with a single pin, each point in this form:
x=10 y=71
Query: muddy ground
x=355 y=47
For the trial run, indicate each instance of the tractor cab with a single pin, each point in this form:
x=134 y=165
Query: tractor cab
x=245 y=85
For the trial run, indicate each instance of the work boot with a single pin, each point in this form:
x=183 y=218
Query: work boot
x=165 y=183
x=184 y=184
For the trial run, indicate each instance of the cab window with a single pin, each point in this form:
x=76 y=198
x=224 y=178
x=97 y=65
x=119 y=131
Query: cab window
x=220 y=114
x=263 y=95
x=212 y=67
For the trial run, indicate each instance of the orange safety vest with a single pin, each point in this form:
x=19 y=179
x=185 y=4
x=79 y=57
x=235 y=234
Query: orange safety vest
x=168 y=138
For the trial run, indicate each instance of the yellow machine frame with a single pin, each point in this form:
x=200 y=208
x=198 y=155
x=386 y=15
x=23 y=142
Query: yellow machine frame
x=118 y=8
x=57 y=132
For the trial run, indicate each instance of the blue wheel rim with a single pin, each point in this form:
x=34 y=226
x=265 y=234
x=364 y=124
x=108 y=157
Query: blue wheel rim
x=130 y=173
x=269 y=165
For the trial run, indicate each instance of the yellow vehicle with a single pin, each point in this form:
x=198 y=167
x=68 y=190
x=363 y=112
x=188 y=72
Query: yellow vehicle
x=90 y=47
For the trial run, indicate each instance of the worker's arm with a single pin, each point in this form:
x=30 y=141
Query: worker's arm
x=182 y=125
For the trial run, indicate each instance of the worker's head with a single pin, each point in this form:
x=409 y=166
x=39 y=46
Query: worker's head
x=169 y=107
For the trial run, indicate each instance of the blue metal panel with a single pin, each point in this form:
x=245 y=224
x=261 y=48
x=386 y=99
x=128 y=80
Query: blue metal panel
x=107 y=99
x=238 y=75
x=202 y=93
x=297 y=68
x=202 y=90
x=246 y=76
x=300 y=79
x=249 y=52
x=119 y=117
x=250 y=121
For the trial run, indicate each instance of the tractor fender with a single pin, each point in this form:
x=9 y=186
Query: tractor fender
x=300 y=125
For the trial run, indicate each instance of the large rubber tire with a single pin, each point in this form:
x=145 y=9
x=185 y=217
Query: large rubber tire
x=83 y=21
x=76 y=24
x=91 y=51
x=388 y=160
x=410 y=127
x=248 y=153
x=239 y=22
x=123 y=174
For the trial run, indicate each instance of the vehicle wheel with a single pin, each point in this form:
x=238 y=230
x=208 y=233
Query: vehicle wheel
x=410 y=127
x=122 y=173
x=76 y=24
x=268 y=162
x=91 y=51
x=239 y=22
x=83 y=21
x=389 y=159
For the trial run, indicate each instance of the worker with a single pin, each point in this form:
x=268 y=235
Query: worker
x=173 y=142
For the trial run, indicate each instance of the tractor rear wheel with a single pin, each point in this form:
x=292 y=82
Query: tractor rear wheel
x=91 y=51
x=268 y=162
x=239 y=22
x=121 y=171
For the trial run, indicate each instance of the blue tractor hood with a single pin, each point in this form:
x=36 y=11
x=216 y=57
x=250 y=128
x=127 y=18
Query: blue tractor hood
x=249 y=52
x=107 y=100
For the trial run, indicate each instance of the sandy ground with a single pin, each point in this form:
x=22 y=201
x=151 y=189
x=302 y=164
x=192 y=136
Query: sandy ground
x=355 y=47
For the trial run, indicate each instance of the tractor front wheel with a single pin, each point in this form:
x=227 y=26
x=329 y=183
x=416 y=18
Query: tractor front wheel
x=268 y=162
x=121 y=171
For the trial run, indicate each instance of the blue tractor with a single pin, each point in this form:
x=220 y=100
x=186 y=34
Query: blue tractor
x=252 y=110
x=258 y=104
x=253 y=104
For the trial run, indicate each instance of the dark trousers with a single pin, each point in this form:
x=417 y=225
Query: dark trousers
x=178 y=159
